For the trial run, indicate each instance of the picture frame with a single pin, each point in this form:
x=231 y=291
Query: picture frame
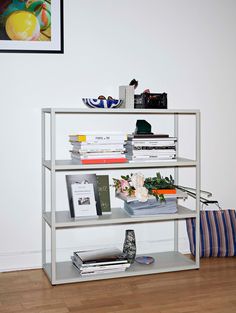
x=46 y=31
x=83 y=195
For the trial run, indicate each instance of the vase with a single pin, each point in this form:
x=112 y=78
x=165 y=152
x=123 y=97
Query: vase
x=129 y=247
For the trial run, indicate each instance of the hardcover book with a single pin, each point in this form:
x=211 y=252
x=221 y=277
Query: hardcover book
x=104 y=193
x=83 y=195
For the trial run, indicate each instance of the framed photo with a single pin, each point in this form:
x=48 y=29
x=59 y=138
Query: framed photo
x=83 y=195
x=31 y=26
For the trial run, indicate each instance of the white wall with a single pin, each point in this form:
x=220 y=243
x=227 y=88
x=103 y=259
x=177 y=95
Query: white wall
x=186 y=48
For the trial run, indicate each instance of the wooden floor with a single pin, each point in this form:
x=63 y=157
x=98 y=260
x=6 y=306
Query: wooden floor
x=210 y=289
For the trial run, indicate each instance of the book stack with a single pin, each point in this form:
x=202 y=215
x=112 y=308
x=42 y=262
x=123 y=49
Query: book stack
x=151 y=148
x=151 y=207
x=97 y=148
x=100 y=261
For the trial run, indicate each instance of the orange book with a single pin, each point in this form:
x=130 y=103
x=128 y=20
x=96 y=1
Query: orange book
x=102 y=161
x=164 y=191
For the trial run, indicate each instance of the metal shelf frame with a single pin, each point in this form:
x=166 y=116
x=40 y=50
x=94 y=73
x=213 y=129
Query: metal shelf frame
x=63 y=272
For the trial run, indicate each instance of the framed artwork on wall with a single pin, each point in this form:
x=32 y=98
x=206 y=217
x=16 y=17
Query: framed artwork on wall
x=31 y=26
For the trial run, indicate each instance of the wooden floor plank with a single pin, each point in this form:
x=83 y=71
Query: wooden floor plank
x=210 y=289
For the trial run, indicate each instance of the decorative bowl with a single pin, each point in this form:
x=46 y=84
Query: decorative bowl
x=102 y=104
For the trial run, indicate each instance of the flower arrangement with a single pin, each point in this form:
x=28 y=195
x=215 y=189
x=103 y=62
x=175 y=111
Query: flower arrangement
x=135 y=185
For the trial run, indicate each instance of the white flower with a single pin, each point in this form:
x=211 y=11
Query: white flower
x=137 y=180
x=141 y=193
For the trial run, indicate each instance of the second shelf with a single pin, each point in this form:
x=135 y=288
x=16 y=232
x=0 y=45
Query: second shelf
x=118 y=216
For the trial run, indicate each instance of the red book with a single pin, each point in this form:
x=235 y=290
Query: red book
x=102 y=161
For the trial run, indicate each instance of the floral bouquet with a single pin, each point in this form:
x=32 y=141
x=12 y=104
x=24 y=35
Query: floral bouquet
x=136 y=187
x=132 y=186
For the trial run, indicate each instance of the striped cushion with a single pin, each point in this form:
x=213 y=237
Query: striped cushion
x=217 y=233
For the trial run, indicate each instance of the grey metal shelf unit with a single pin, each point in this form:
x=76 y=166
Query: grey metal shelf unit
x=64 y=272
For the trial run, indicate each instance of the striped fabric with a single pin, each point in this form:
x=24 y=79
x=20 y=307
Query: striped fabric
x=217 y=233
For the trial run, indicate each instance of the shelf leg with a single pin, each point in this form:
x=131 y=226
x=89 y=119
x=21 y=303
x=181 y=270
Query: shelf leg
x=198 y=185
x=43 y=171
x=176 y=179
x=53 y=196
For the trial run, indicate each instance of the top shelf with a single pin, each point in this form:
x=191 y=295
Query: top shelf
x=117 y=111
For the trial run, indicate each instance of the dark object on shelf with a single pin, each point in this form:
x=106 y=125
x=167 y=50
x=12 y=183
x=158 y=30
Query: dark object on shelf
x=134 y=83
x=143 y=127
x=129 y=247
x=102 y=97
x=150 y=101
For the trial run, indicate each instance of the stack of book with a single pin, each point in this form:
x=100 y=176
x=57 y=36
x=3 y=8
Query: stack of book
x=151 y=207
x=96 y=148
x=100 y=261
x=151 y=148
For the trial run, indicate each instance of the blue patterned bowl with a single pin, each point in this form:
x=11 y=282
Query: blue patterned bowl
x=102 y=104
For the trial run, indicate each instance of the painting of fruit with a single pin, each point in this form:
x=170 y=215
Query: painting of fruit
x=25 y=20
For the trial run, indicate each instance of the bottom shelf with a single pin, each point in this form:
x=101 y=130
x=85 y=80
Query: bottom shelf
x=164 y=262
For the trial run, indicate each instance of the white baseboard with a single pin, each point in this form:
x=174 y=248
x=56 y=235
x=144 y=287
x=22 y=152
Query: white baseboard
x=17 y=261
x=25 y=260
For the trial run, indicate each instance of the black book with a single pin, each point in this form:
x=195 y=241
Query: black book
x=82 y=180
x=151 y=136
x=99 y=257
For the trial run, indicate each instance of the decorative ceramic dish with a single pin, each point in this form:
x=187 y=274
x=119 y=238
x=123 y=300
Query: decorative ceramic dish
x=102 y=104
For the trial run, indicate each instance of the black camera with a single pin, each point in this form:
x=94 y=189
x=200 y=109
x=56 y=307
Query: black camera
x=148 y=100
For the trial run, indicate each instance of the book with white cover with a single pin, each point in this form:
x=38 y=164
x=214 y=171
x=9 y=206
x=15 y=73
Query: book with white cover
x=151 y=160
x=152 y=157
x=152 y=152
x=83 y=200
x=151 y=143
x=98 y=137
x=83 y=195
x=98 y=156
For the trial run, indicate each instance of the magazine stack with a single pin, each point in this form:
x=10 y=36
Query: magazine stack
x=151 y=207
x=97 y=148
x=151 y=148
x=100 y=261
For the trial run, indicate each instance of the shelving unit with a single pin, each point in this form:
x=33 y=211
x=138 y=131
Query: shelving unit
x=64 y=272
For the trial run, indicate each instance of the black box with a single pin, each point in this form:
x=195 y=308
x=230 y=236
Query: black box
x=150 y=101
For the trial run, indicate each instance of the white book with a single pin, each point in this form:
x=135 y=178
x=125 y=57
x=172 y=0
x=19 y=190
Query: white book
x=103 y=272
x=102 y=156
x=153 y=152
x=150 y=143
x=93 y=151
x=105 y=267
x=95 y=147
x=151 y=160
x=97 y=137
x=152 y=157
x=111 y=153
x=83 y=200
x=98 y=144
